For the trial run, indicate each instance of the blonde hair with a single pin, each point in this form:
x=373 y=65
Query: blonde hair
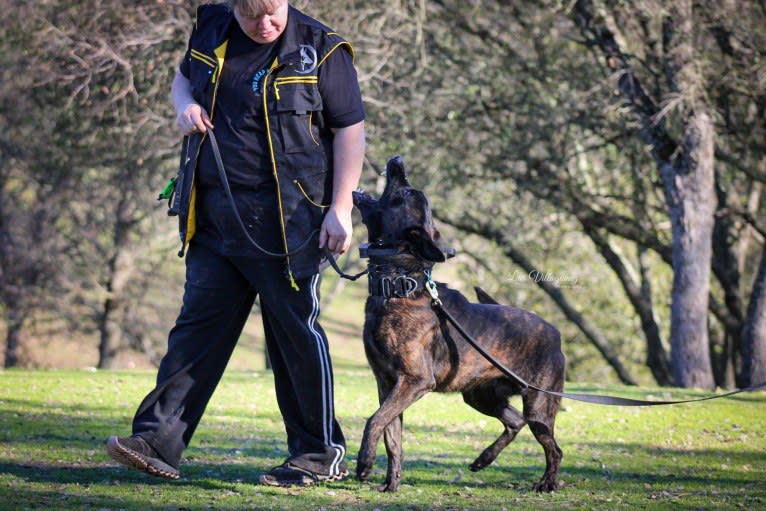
x=253 y=8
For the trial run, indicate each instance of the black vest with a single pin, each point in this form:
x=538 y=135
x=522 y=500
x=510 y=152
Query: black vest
x=300 y=144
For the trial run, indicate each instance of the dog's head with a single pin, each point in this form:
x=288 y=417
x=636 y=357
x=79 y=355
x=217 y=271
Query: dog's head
x=401 y=217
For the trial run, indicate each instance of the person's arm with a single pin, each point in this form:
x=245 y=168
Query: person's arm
x=348 y=149
x=190 y=116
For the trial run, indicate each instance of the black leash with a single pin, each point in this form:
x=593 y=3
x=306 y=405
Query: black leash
x=334 y=264
x=230 y=197
x=233 y=204
x=587 y=398
x=430 y=285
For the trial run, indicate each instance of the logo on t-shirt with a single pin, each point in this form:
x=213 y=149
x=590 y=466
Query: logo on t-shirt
x=258 y=80
x=309 y=59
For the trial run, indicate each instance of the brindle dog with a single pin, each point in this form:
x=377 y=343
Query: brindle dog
x=413 y=350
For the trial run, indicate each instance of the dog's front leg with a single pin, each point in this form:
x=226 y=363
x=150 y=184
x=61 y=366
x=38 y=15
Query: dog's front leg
x=393 y=439
x=392 y=436
x=406 y=391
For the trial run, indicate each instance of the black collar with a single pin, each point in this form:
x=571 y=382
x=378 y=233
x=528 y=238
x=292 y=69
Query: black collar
x=386 y=281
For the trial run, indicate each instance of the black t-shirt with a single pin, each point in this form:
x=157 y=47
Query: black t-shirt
x=238 y=117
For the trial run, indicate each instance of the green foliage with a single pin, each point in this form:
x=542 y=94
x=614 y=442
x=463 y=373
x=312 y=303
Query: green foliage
x=53 y=426
x=505 y=116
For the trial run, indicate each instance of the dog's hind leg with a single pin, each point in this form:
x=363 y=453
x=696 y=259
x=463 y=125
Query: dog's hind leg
x=540 y=412
x=487 y=401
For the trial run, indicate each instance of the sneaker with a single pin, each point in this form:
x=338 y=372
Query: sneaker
x=288 y=474
x=134 y=452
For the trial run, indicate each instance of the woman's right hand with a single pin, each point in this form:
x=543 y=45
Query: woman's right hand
x=193 y=119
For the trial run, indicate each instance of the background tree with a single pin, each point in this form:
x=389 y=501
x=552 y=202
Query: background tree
x=93 y=127
x=522 y=109
x=33 y=184
x=600 y=163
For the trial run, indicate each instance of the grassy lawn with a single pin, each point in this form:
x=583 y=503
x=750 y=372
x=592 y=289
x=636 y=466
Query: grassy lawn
x=53 y=425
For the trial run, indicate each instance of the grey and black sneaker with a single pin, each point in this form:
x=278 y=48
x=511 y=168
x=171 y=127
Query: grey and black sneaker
x=288 y=474
x=134 y=452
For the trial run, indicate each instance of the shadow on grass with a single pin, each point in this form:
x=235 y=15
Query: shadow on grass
x=219 y=461
x=201 y=475
x=76 y=417
x=416 y=471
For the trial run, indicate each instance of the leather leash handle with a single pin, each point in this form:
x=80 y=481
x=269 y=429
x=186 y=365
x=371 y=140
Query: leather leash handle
x=331 y=259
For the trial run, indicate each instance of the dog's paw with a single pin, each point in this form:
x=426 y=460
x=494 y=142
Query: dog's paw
x=476 y=466
x=482 y=461
x=363 y=471
x=546 y=485
x=389 y=487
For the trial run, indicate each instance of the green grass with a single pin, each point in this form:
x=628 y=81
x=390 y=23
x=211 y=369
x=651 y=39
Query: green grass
x=53 y=425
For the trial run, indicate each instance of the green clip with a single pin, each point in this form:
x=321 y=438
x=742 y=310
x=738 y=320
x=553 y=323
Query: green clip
x=431 y=288
x=167 y=192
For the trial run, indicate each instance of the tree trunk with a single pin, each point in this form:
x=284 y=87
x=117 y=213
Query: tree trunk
x=691 y=200
x=747 y=235
x=14 y=339
x=656 y=357
x=120 y=270
x=754 y=333
x=722 y=358
x=110 y=335
x=726 y=267
x=640 y=298
x=594 y=335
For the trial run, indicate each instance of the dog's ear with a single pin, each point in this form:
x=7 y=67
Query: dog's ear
x=363 y=200
x=424 y=245
x=395 y=171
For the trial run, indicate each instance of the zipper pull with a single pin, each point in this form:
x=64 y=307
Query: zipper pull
x=276 y=90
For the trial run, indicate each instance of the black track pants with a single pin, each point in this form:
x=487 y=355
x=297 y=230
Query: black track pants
x=218 y=296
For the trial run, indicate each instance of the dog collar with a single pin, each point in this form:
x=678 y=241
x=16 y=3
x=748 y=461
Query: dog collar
x=395 y=284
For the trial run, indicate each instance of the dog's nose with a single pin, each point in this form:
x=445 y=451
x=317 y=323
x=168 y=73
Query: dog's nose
x=395 y=170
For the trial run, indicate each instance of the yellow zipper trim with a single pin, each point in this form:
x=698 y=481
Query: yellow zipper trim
x=311 y=116
x=297 y=79
x=300 y=187
x=291 y=80
x=210 y=61
x=191 y=216
x=351 y=48
x=220 y=55
x=276 y=176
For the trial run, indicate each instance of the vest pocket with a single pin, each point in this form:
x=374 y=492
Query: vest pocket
x=202 y=70
x=311 y=186
x=296 y=105
x=312 y=200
